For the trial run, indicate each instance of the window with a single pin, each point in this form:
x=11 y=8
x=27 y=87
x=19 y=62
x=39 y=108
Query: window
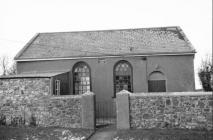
x=81 y=78
x=57 y=87
x=157 y=82
x=122 y=76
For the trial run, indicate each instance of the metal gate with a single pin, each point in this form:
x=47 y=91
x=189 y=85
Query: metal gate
x=105 y=112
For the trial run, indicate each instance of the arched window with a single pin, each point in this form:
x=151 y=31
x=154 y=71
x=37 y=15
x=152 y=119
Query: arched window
x=81 y=78
x=122 y=76
x=157 y=82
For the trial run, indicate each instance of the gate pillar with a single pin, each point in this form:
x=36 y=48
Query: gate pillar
x=88 y=110
x=122 y=109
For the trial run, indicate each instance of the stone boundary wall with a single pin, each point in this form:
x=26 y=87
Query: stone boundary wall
x=19 y=97
x=63 y=111
x=184 y=110
x=27 y=101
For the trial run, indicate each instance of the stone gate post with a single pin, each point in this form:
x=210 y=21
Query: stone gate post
x=88 y=110
x=122 y=109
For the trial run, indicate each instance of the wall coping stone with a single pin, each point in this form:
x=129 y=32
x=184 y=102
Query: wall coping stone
x=123 y=92
x=88 y=93
x=172 y=94
x=65 y=96
x=72 y=96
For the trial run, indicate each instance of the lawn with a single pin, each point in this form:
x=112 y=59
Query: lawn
x=141 y=134
x=41 y=133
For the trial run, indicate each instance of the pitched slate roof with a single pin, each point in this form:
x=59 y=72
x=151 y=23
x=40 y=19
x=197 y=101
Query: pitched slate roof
x=142 y=41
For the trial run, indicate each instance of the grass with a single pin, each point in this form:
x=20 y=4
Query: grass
x=141 y=134
x=41 y=133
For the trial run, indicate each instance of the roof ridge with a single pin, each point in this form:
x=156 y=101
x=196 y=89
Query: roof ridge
x=102 y=30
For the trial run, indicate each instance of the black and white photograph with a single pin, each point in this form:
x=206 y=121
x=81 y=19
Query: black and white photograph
x=106 y=70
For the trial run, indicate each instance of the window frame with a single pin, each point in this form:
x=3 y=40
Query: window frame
x=114 y=75
x=57 y=87
x=73 y=76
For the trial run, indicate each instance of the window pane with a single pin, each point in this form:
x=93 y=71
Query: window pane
x=87 y=78
x=88 y=88
x=81 y=76
x=122 y=79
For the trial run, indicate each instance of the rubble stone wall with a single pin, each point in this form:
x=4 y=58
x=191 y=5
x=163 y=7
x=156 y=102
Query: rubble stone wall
x=28 y=101
x=64 y=111
x=192 y=110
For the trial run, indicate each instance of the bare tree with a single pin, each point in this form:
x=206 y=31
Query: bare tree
x=4 y=64
x=12 y=69
x=5 y=67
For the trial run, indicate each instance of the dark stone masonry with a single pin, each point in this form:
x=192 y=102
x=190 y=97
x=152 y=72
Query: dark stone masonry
x=27 y=101
x=63 y=111
x=22 y=98
x=171 y=110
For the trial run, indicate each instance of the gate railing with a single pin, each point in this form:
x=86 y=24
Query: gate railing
x=105 y=112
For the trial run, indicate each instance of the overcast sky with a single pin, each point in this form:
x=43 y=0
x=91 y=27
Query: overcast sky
x=22 y=19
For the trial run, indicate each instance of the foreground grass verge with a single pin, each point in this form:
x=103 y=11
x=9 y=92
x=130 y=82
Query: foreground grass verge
x=41 y=133
x=165 y=134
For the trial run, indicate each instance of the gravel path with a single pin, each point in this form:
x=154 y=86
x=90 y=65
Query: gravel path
x=104 y=133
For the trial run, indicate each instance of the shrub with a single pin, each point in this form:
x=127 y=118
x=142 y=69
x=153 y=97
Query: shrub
x=2 y=119
x=205 y=74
